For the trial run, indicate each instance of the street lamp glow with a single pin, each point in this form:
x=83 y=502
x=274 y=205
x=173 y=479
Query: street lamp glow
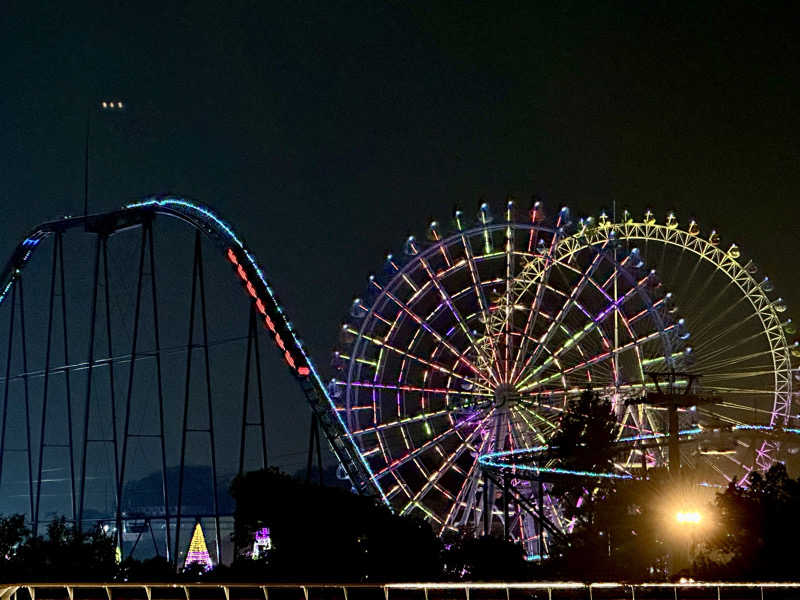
x=692 y=517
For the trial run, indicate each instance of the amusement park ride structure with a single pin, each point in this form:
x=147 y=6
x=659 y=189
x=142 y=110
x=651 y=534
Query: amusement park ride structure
x=453 y=367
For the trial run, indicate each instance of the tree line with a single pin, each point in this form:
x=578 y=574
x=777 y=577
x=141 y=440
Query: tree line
x=622 y=530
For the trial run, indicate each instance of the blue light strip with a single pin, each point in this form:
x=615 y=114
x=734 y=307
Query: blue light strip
x=500 y=460
x=179 y=202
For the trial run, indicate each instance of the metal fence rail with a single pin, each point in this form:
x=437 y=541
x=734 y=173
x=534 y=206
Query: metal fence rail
x=548 y=590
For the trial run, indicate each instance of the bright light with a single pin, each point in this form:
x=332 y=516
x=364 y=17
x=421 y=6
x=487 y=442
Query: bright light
x=109 y=105
x=692 y=517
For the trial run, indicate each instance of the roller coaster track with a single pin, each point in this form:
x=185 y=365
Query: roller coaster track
x=250 y=274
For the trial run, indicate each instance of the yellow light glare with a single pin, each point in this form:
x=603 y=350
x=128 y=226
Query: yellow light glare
x=688 y=517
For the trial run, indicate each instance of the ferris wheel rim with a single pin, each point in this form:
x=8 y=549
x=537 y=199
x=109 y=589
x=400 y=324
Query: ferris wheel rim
x=756 y=291
x=382 y=299
x=771 y=325
x=432 y=248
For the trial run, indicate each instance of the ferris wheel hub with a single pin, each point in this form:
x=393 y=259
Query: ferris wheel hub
x=505 y=395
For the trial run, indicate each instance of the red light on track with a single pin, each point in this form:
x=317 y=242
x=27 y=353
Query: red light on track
x=268 y=322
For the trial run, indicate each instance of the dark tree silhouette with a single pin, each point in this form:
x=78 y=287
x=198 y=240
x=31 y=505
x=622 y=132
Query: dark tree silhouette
x=585 y=442
x=756 y=529
x=64 y=555
x=323 y=533
x=484 y=558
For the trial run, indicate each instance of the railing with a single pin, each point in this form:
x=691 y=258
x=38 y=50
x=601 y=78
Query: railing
x=552 y=590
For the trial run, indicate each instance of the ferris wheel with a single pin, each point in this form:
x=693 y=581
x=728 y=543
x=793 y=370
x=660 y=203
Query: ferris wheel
x=473 y=341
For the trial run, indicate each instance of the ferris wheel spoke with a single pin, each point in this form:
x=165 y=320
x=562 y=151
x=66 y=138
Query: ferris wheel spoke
x=471 y=481
x=734 y=460
x=569 y=335
x=697 y=291
x=527 y=362
x=425 y=326
x=567 y=306
x=515 y=436
x=436 y=366
x=706 y=358
x=530 y=406
x=596 y=359
x=399 y=462
x=400 y=423
x=555 y=513
x=444 y=467
x=542 y=278
x=713 y=368
x=593 y=325
x=460 y=321
x=508 y=306
x=477 y=286
x=413 y=388
x=750 y=373
x=714 y=340
x=719 y=416
x=712 y=307
x=749 y=392
x=743 y=407
x=522 y=410
x=534 y=399
x=533 y=431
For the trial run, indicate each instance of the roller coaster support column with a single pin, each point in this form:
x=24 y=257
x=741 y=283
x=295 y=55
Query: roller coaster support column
x=197 y=278
x=43 y=430
x=252 y=344
x=147 y=246
x=131 y=372
x=164 y=487
x=17 y=293
x=90 y=363
x=313 y=440
x=67 y=384
x=58 y=253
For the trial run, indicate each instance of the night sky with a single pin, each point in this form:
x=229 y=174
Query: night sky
x=327 y=132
